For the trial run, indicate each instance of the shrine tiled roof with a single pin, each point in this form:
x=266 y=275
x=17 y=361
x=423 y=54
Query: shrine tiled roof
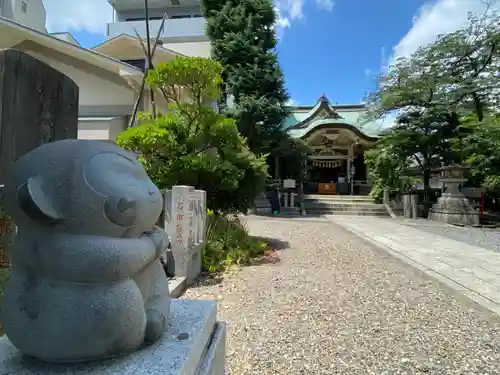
x=304 y=119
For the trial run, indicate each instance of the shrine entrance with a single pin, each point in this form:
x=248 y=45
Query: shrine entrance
x=337 y=163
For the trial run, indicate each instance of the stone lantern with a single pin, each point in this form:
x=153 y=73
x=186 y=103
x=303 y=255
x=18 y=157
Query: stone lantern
x=453 y=207
x=452 y=176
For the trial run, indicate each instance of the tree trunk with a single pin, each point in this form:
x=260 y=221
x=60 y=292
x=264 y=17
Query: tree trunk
x=478 y=104
x=427 y=187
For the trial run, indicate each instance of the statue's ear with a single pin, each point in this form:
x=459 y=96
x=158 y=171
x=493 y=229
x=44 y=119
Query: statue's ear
x=35 y=203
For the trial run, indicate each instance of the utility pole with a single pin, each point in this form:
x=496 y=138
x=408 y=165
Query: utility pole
x=150 y=60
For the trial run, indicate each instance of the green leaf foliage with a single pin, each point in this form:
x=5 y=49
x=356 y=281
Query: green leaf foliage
x=481 y=148
x=197 y=77
x=446 y=93
x=192 y=144
x=243 y=41
x=386 y=168
x=420 y=139
x=209 y=154
x=229 y=243
x=459 y=71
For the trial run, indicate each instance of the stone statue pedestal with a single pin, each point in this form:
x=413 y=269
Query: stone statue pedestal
x=193 y=345
x=453 y=207
x=262 y=205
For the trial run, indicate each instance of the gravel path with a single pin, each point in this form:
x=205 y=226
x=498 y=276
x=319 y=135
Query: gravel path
x=481 y=237
x=334 y=304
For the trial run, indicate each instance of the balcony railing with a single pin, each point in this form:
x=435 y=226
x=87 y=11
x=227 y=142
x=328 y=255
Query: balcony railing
x=174 y=28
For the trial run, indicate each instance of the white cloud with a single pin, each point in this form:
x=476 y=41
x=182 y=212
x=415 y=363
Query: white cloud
x=73 y=15
x=282 y=22
x=287 y=11
x=291 y=103
x=325 y=4
x=436 y=18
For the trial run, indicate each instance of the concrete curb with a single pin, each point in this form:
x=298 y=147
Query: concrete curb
x=450 y=283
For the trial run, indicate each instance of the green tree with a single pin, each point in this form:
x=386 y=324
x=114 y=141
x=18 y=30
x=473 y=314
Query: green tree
x=432 y=88
x=481 y=149
x=194 y=145
x=243 y=41
x=291 y=155
x=420 y=138
x=456 y=72
x=386 y=168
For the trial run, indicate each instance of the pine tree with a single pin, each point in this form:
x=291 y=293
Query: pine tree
x=243 y=40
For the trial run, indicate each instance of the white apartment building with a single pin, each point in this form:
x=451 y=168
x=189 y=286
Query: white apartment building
x=109 y=75
x=184 y=30
x=30 y=13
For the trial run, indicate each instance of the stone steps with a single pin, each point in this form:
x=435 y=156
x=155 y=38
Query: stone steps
x=351 y=210
x=315 y=204
x=352 y=205
x=339 y=198
x=351 y=213
x=342 y=205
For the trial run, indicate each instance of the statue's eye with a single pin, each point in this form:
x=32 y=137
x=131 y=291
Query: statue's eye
x=125 y=204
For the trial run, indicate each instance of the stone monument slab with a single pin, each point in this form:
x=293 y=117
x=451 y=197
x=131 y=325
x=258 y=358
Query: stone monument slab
x=38 y=104
x=186 y=245
x=194 y=344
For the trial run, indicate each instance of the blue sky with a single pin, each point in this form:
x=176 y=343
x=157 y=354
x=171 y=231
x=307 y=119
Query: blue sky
x=339 y=51
x=328 y=47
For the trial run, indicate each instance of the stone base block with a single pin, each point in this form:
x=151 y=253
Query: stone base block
x=454 y=210
x=262 y=206
x=177 y=286
x=262 y=211
x=185 y=263
x=193 y=345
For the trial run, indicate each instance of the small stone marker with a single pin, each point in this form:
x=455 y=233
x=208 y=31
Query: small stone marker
x=185 y=212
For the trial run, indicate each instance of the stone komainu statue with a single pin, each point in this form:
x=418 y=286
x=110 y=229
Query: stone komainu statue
x=86 y=282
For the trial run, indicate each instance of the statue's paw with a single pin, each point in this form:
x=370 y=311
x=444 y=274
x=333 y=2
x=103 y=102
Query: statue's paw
x=160 y=240
x=155 y=326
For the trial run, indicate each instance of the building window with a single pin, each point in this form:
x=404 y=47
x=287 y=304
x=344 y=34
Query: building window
x=138 y=63
x=1 y=3
x=24 y=6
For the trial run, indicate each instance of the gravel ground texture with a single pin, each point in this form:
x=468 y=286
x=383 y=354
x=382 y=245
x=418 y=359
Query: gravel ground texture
x=330 y=303
x=487 y=238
